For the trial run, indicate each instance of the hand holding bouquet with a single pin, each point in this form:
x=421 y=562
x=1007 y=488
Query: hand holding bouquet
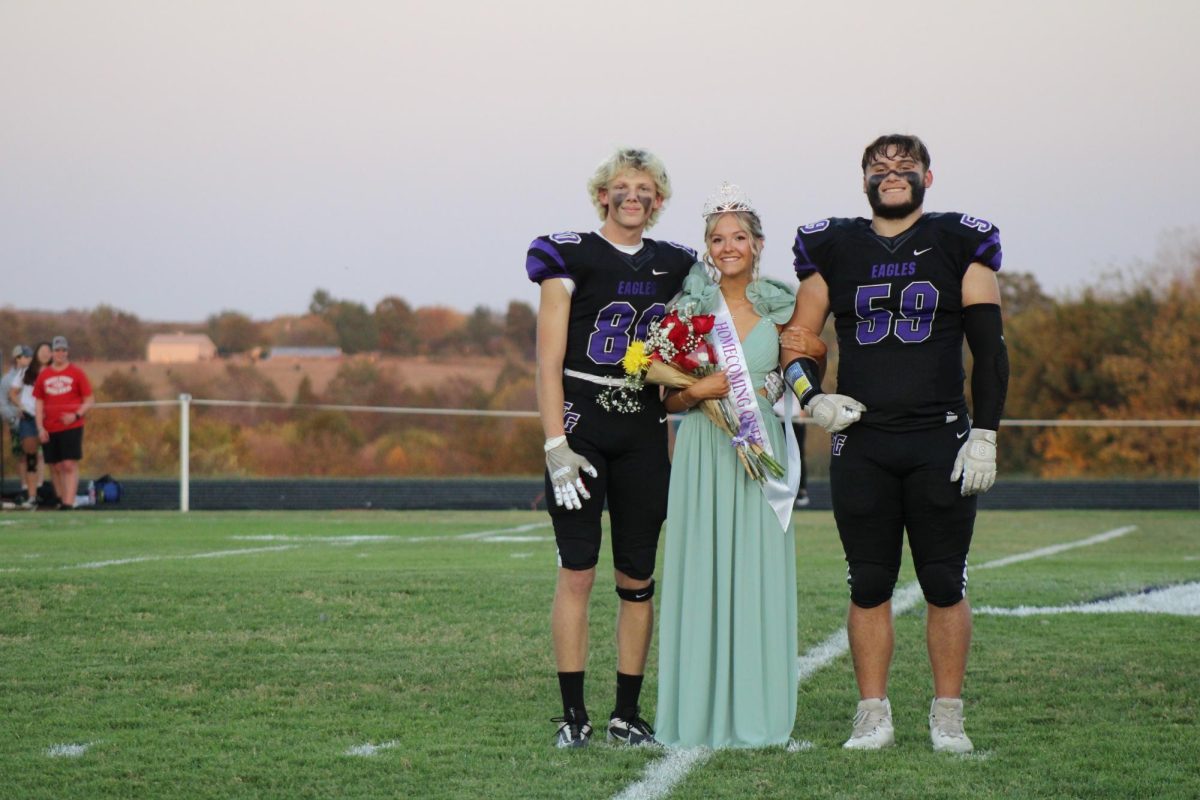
x=676 y=354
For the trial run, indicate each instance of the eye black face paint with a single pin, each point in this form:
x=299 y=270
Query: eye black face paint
x=913 y=179
x=617 y=199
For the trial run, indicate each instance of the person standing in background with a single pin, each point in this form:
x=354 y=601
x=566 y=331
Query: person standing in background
x=63 y=395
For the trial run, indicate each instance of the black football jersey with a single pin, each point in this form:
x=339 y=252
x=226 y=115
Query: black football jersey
x=617 y=296
x=897 y=306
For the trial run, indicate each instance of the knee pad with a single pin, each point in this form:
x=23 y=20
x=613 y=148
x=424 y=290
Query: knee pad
x=637 y=595
x=871 y=585
x=31 y=462
x=944 y=583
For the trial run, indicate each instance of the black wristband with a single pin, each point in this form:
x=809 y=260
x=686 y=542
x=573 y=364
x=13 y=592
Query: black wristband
x=804 y=377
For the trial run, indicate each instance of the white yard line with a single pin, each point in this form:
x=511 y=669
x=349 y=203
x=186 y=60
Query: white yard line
x=1058 y=548
x=287 y=537
x=367 y=750
x=141 y=559
x=663 y=775
x=482 y=535
x=499 y=535
x=67 y=750
x=1182 y=600
x=214 y=554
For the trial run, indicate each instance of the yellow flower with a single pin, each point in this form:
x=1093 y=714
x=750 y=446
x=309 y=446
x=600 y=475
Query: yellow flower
x=636 y=361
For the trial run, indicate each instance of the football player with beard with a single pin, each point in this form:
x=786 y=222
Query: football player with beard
x=904 y=288
x=600 y=291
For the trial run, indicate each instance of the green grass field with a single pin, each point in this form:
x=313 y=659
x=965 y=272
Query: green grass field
x=396 y=655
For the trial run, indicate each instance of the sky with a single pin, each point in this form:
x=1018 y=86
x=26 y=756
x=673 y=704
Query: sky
x=175 y=159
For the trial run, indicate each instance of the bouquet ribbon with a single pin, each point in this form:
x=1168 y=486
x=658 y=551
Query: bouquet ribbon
x=780 y=493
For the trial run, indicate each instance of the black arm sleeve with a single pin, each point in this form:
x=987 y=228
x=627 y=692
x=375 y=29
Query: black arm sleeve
x=989 y=378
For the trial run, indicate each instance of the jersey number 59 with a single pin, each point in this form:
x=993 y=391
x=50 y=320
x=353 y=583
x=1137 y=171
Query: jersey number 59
x=918 y=305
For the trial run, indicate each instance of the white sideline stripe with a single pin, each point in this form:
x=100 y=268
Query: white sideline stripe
x=1182 y=600
x=285 y=537
x=1058 y=548
x=214 y=554
x=509 y=539
x=661 y=776
x=665 y=774
x=67 y=750
x=485 y=535
x=141 y=559
x=500 y=535
x=367 y=750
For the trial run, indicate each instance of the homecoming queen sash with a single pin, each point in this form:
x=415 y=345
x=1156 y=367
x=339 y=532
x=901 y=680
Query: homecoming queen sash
x=779 y=492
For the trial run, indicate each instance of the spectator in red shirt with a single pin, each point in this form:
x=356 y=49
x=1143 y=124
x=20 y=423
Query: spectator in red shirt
x=63 y=395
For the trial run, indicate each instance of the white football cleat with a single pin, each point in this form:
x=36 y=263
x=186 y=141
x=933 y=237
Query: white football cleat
x=946 y=726
x=872 y=726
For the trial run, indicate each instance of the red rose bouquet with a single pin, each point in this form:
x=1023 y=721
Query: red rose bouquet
x=676 y=354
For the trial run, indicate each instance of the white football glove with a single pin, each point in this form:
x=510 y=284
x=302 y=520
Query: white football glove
x=835 y=412
x=564 y=465
x=976 y=462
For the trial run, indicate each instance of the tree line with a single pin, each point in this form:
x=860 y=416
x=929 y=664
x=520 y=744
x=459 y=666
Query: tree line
x=1124 y=349
x=392 y=326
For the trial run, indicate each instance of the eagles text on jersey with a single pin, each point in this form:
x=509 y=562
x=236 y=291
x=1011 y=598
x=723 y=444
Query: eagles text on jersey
x=897 y=306
x=615 y=297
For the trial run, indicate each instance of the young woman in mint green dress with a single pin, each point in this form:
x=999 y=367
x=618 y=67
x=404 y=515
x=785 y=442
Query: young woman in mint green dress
x=727 y=671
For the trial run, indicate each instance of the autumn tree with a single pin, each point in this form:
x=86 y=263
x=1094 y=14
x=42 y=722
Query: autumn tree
x=113 y=335
x=233 y=332
x=482 y=333
x=123 y=387
x=305 y=396
x=361 y=382
x=520 y=327
x=397 y=326
x=352 y=323
x=438 y=328
x=309 y=330
x=12 y=332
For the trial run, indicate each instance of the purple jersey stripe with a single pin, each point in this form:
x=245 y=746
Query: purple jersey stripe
x=538 y=270
x=989 y=243
x=545 y=247
x=803 y=262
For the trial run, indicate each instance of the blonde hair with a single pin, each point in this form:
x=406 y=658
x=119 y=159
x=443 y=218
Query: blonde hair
x=749 y=222
x=629 y=158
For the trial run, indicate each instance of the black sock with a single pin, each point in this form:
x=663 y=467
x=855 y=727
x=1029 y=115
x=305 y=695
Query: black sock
x=629 y=688
x=571 y=686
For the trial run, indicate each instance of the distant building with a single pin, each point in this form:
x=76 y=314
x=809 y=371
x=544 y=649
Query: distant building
x=304 y=352
x=180 y=348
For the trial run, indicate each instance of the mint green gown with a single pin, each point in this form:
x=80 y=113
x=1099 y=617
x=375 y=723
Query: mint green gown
x=727 y=668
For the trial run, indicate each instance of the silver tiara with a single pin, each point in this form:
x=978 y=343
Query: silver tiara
x=729 y=197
